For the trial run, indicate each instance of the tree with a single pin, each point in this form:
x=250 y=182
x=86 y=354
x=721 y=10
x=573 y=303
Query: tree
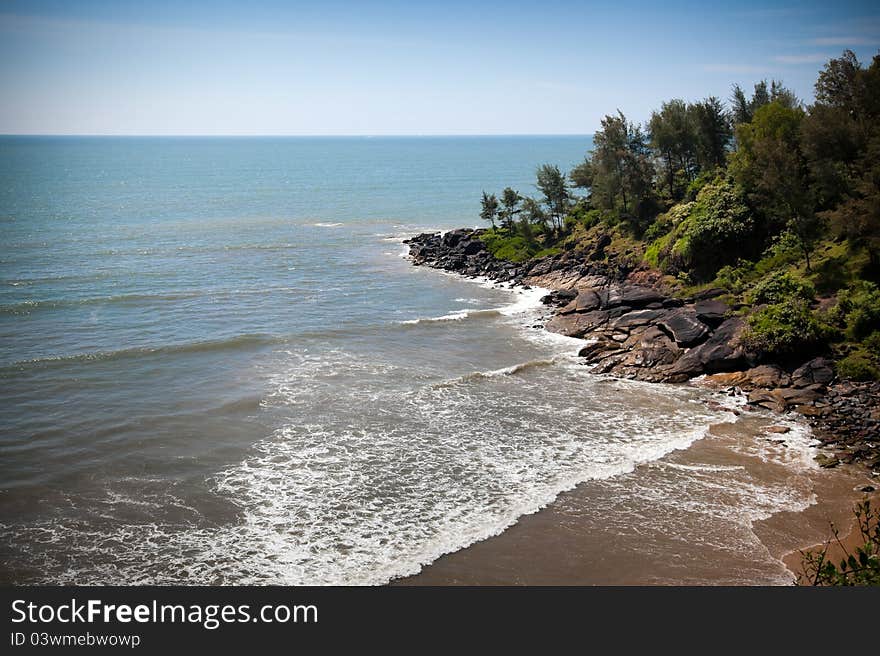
x=551 y=183
x=533 y=212
x=622 y=173
x=581 y=176
x=510 y=200
x=673 y=136
x=489 y=208
x=713 y=132
x=744 y=109
x=858 y=216
x=841 y=139
x=742 y=112
x=771 y=169
x=840 y=84
x=607 y=162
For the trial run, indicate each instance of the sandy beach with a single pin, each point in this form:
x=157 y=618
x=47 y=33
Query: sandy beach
x=587 y=536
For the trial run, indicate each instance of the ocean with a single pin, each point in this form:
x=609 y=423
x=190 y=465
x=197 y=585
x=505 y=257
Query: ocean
x=217 y=367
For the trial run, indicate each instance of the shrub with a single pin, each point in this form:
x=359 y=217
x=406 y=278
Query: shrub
x=696 y=185
x=714 y=230
x=784 y=329
x=780 y=286
x=735 y=278
x=587 y=218
x=784 y=250
x=661 y=226
x=858 y=309
x=544 y=252
x=503 y=246
x=719 y=225
x=872 y=342
x=858 y=365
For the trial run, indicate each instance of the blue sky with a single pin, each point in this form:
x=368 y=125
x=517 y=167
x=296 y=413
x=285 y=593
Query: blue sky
x=450 y=67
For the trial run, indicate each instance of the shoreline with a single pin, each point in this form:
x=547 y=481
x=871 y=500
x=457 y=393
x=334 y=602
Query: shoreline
x=784 y=533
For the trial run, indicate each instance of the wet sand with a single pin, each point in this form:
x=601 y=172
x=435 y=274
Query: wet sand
x=849 y=539
x=724 y=511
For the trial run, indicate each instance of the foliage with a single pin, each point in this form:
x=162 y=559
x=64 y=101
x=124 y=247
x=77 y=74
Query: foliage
x=735 y=277
x=716 y=229
x=858 y=365
x=784 y=329
x=744 y=109
x=770 y=167
x=533 y=212
x=858 y=309
x=619 y=169
x=859 y=568
x=689 y=139
x=552 y=184
x=506 y=246
x=842 y=140
x=780 y=286
x=510 y=200
x=489 y=211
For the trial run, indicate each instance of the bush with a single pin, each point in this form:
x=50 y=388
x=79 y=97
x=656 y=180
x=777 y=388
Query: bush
x=696 y=186
x=715 y=230
x=587 y=218
x=784 y=329
x=661 y=226
x=784 y=250
x=858 y=365
x=517 y=246
x=872 y=342
x=503 y=246
x=858 y=309
x=780 y=286
x=735 y=278
x=719 y=226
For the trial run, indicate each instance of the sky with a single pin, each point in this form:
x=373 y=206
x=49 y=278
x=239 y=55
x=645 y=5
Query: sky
x=398 y=68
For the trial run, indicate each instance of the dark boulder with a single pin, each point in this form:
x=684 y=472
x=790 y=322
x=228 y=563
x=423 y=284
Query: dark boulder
x=452 y=238
x=711 y=312
x=631 y=295
x=817 y=370
x=586 y=301
x=639 y=318
x=712 y=292
x=721 y=352
x=474 y=246
x=559 y=297
x=684 y=327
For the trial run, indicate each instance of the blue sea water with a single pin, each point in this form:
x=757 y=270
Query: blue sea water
x=217 y=367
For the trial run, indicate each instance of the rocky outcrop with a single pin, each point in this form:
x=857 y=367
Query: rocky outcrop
x=463 y=251
x=636 y=330
x=642 y=333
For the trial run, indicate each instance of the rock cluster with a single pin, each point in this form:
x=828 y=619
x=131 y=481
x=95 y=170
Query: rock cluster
x=636 y=330
x=462 y=251
x=849 y=422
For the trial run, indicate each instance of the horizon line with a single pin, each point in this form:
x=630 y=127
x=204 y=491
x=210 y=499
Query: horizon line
x=276 y=136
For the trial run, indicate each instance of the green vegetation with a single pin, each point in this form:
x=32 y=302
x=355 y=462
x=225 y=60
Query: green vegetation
x=859 y=365
x=780 y=286
x=784 y=329
x=775 y=201
x=859 y=568
x=514 y=245
x=858 y=309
